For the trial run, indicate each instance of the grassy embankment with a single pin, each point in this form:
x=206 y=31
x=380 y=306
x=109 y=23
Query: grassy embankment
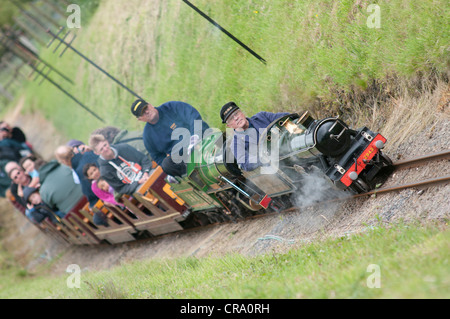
x=314 y=51
x=412 y=262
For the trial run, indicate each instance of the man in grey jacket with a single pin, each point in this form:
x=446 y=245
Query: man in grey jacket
x=123 y=167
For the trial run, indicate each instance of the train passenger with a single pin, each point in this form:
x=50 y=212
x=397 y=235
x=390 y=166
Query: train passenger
x=92 y=172
x=115 y=136
x=123 y=166
x=66 y=155
x=108 y=191
x=10 y=166
x=58 y=190
x=12 y=149
x=161 y=122
x=5 y=181
x=109 y=132
x=19 y=180
x=14 y=133
x=246 y=133
x=37 y=210
x=28 y=163
x=78 y=146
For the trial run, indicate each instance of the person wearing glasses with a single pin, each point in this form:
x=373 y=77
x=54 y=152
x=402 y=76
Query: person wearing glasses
x=246 y=133
x=19 y=180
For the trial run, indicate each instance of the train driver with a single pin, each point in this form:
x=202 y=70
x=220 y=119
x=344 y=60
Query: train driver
x=161 y=122
x=246 y=133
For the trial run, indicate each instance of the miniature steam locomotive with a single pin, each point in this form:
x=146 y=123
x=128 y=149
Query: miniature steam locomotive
x=351 y=160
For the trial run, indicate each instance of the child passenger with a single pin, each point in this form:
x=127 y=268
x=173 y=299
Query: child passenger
x=28 y=164
x=37 y=210
x=100 y=186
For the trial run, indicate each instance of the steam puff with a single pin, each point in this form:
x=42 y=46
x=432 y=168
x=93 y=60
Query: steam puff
x=315 y=188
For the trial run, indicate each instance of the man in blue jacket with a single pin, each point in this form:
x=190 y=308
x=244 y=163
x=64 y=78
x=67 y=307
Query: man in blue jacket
x=163 y=139
x=246 y=133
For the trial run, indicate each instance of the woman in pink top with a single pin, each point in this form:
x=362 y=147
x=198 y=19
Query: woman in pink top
x=99 y=186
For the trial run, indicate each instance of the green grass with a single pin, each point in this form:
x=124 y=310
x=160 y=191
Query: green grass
x=313 y=51
x=413 y=262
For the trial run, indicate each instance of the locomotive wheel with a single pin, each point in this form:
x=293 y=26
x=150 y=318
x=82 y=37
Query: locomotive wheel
x=386 y=159
x=360 y=186
x=389 y=166
x=385 y=171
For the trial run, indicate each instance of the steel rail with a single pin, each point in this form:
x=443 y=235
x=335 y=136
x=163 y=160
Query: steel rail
x=420 y=160
x=422 y=183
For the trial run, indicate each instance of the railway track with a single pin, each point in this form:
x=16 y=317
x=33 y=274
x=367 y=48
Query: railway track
x=399 y=165
x=420 y=160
